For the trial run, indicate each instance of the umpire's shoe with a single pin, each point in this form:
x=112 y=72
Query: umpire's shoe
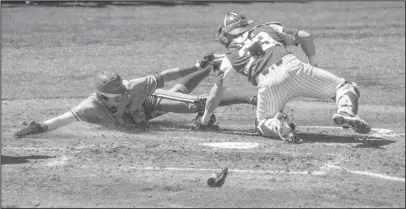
x=210 y=126
x=354 y=122
x=33 y=128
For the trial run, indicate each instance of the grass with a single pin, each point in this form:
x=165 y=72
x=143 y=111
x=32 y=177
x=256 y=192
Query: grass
x=50 y=52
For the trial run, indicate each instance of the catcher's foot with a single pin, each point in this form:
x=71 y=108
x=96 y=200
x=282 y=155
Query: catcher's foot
x=354 y=122
x=210 y=126
x=33 y=128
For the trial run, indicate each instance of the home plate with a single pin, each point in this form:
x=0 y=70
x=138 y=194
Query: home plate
x=231 y=145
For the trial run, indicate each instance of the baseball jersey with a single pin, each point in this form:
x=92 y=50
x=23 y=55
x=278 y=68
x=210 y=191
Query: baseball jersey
x=255 y=51
x=93 y=110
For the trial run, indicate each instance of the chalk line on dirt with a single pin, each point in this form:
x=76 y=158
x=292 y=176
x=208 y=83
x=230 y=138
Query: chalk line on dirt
x=231 y=145
x=230 y=170
x=375 y=132
x=323 y=171
x=366 y=173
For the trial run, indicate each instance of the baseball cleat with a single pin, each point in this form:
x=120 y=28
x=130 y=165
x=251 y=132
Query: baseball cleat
x=33 y=128
x=218 y=179
x=354 y=122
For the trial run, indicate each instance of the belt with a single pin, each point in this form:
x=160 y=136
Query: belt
x=285 y=59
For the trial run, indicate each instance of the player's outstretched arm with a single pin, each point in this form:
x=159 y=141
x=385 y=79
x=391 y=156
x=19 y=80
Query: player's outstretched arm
x=224 y=79
x=212 y=102
x=176 y=73
x=48 y=125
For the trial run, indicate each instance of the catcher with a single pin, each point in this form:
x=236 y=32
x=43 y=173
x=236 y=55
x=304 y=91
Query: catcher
x=260 y=53
x=131 y=104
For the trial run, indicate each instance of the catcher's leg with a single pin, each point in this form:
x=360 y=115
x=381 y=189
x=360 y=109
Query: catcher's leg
x=271 y=121
x=309 y=81
x=347 y=97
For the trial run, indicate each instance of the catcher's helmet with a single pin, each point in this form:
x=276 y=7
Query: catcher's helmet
x=233 y=25
x=109 y=84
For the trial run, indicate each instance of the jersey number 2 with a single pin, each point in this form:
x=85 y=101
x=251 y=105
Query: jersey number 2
x=264 y=39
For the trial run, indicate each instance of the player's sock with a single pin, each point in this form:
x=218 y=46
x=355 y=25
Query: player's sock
x=231 y=98
x=192 y=80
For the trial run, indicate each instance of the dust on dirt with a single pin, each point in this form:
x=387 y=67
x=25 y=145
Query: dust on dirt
x=83 y=165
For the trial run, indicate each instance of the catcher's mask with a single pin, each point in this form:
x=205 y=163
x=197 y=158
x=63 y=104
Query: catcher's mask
x=234 y=25
x=109 y=86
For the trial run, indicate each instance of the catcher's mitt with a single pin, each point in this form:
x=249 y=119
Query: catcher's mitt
x=207 y=59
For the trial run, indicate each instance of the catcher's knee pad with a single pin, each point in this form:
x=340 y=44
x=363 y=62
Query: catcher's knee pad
x=276 y=127
x=347 y=96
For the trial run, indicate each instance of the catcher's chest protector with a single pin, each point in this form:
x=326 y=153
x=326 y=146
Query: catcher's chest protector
x=257 y=53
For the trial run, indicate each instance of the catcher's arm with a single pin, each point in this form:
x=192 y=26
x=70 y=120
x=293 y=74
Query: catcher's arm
x=306 y=42
x=300 y=37
x=224 y=79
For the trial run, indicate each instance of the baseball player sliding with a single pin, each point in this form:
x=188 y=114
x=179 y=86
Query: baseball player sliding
x=132 y=103
x=259 y=52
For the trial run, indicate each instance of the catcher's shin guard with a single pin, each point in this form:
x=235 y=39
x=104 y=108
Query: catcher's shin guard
x=347 y=98
x=33 y=128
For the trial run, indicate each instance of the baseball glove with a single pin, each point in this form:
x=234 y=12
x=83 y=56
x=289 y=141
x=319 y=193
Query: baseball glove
x=207 y=59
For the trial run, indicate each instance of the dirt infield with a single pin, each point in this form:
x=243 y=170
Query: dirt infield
x=83 y=165
x=49 y=57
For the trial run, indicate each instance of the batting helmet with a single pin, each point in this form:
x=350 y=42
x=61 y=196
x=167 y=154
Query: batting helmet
x=109 y=84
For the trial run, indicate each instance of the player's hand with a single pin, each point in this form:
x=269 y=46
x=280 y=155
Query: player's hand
x=33 y=128
x=313 y=61
x=210 y=126
x=207 y=60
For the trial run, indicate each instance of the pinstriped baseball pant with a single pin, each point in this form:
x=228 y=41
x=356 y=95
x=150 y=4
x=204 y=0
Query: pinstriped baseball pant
x=293 y=78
